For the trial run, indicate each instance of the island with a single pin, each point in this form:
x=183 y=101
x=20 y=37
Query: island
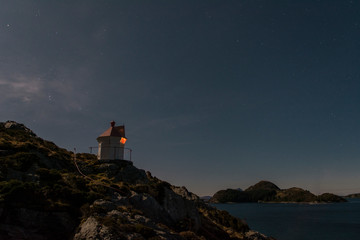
x=354 y=195
x=268 y=192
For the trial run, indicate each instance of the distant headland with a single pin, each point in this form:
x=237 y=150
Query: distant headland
x=354 y=195
x=268 y=192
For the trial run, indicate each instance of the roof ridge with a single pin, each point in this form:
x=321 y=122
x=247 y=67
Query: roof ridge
x=114 y=131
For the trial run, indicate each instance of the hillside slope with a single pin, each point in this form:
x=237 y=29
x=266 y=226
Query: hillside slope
x=49 y=193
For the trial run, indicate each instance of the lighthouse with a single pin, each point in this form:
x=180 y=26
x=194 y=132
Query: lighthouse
x=112 y=143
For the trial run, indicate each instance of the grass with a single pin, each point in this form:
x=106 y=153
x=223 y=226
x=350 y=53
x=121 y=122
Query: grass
x=16 y=193
x=122 y=226
x=20 y=161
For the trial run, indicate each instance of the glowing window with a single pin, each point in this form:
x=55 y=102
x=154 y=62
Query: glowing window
x=123 y=140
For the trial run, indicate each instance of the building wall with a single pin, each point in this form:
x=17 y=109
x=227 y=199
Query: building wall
x=110 y=148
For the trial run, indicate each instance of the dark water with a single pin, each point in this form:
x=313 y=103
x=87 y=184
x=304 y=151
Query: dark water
x=338 y=221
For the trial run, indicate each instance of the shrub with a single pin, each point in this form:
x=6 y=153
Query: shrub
x=22 y=194
x=141 y=188
x=144 y=230
x=49 y=175
x=20 y=161
x=225 y=219
x=75 y=181
x=158 y=191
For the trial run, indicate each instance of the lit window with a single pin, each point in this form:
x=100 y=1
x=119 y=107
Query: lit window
x=123 y=140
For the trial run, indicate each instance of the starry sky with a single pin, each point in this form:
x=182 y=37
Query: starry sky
x=213 y=94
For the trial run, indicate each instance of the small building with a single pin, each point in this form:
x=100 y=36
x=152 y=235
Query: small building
x=112 y=143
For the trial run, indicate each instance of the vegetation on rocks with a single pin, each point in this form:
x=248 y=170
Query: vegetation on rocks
x=230 y=195
x=263 y=185
x=50 y=193
x=329 y=197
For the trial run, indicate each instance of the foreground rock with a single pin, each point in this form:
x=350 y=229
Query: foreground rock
x=265 y=191
x=47 y=193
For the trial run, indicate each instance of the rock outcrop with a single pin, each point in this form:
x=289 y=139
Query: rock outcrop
x=50 y=193
x=263 y=185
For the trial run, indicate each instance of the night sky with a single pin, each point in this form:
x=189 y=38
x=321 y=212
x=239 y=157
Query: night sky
x=213 y=94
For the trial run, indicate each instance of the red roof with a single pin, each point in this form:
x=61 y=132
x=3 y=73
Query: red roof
x=113 y=131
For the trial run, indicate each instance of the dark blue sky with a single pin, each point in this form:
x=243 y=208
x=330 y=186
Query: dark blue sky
x=213 y=94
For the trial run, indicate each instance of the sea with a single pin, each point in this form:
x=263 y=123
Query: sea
x=291 y=221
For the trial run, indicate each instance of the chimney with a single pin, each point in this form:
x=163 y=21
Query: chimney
x=112 y=123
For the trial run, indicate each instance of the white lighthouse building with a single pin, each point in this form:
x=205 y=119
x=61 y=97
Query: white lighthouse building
x=112 y=143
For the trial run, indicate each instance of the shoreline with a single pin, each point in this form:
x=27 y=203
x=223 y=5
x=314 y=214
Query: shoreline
x=304 y=203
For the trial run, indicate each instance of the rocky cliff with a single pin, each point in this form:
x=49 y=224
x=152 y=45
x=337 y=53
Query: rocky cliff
x=265 y=191
x=50 y=193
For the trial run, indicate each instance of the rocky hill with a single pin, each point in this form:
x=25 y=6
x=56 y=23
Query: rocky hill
x=354 y=195
x=50 y=193
x=265 y=191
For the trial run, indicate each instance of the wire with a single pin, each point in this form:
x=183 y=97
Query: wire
x=87 y=177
